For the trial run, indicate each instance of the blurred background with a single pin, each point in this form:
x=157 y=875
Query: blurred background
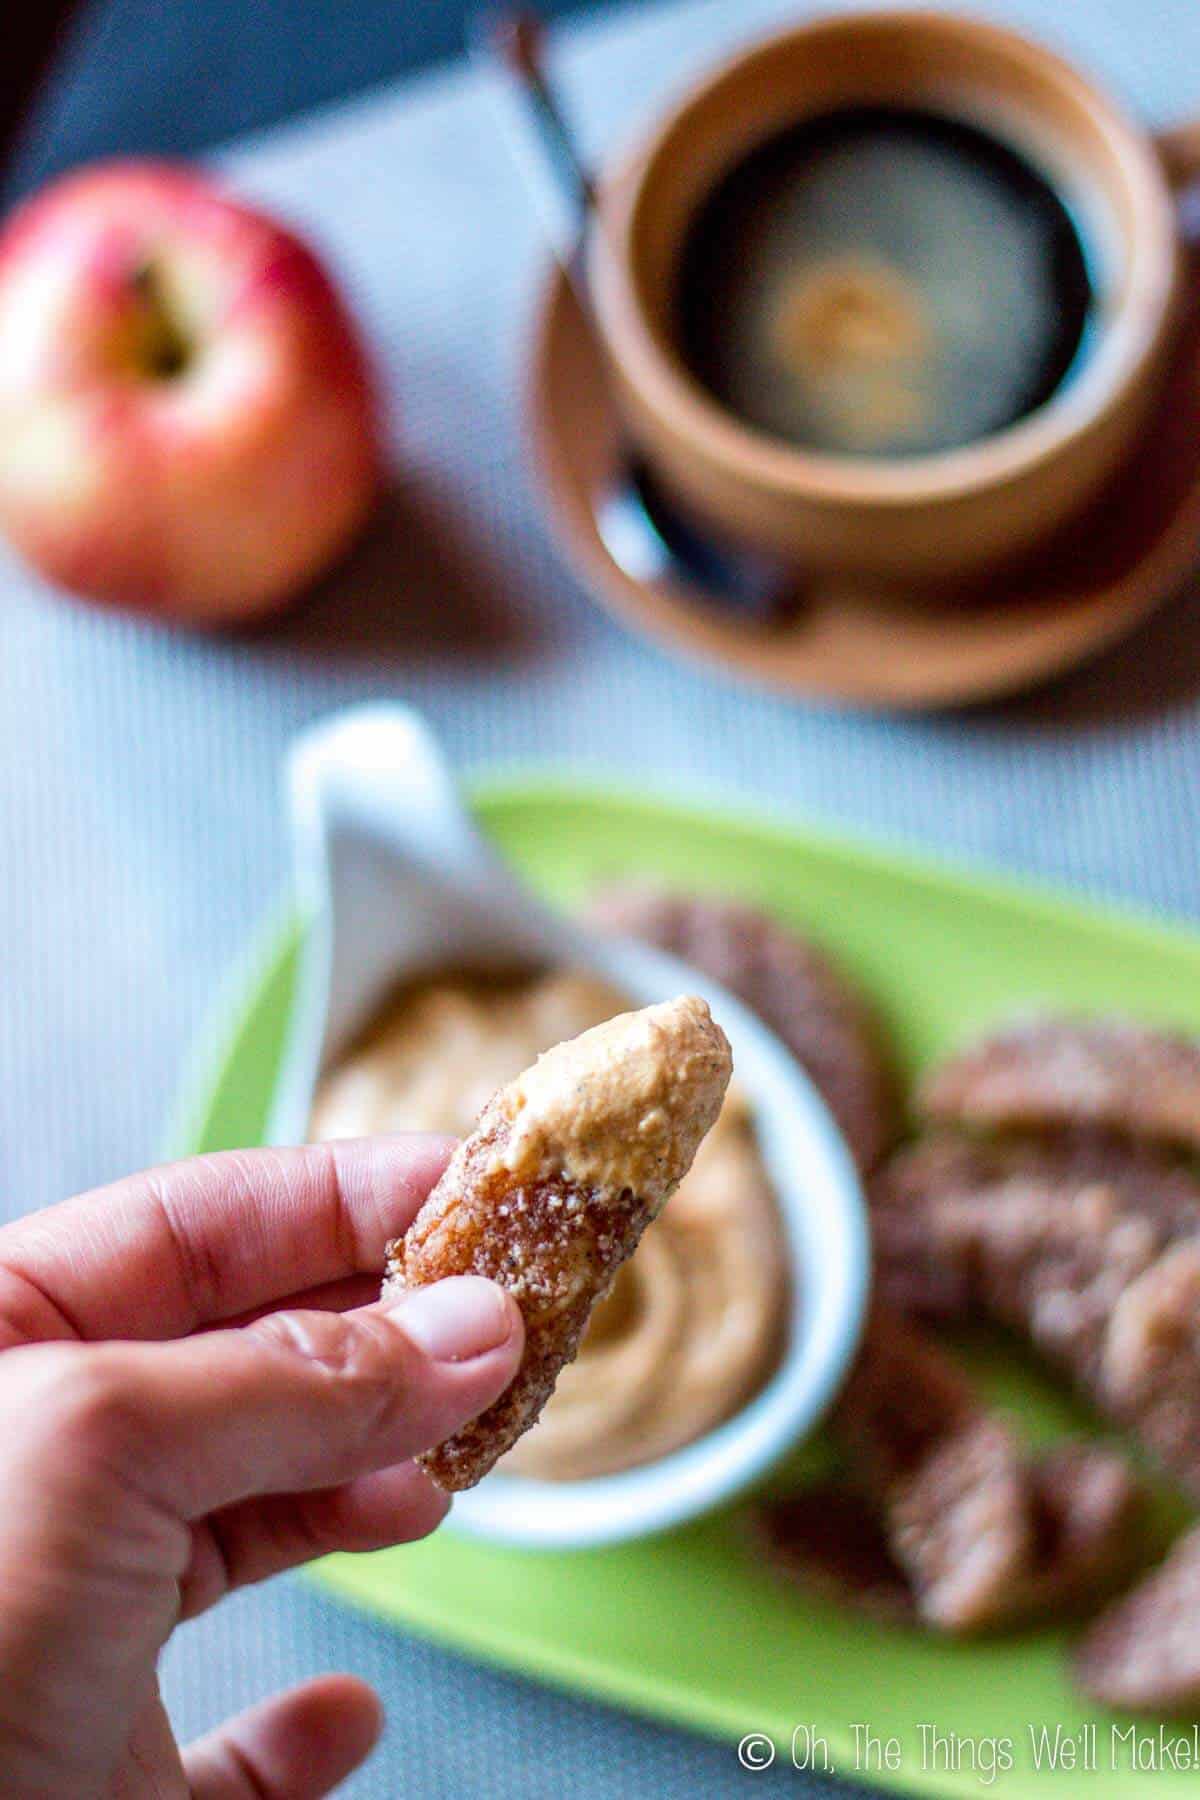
x=98 y=77
x=141 y=842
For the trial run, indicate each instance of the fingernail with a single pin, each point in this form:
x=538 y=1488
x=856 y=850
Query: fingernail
x=456 y=1319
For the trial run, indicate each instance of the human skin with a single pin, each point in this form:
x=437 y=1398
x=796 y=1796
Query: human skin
x=199 y=1387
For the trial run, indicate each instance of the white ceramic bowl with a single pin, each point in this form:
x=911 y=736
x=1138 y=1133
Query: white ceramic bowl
x=396 y=883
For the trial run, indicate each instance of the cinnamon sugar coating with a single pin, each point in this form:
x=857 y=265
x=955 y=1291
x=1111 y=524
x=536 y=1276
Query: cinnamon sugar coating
x=1143 y=1654
x=1056 y=1072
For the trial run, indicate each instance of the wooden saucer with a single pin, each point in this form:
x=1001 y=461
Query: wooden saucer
x=1131 y=549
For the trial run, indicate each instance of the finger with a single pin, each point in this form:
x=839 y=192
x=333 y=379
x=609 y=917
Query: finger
x=329 y=1296
x=260 y=1538
x=299 y=1400
x=296 y=1746
x=161 y=1253
x=151 y=1746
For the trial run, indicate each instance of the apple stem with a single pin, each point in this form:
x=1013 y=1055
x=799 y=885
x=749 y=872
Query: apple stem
x=165 y=350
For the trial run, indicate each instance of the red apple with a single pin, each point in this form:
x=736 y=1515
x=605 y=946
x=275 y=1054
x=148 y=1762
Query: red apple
x=187 y=423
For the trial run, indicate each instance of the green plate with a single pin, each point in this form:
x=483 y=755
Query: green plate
x=691 y=1627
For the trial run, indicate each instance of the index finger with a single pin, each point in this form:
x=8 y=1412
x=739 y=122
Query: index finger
x=161 y=1253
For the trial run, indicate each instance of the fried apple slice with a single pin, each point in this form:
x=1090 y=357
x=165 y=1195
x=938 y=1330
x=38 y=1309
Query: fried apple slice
x=1143 y=1654
x=944 y=1473
x=1099 y=1272
x=944 y=1515
x=1055 y=1072
x=1086 y=1510
x=553 y=1189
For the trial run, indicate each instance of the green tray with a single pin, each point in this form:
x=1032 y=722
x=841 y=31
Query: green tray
x=691 y=1627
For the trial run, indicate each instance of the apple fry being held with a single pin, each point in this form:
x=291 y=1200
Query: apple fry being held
x=553 y=1189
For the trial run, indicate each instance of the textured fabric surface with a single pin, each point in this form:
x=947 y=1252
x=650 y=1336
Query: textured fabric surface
x=140 y=835
x=141 y=76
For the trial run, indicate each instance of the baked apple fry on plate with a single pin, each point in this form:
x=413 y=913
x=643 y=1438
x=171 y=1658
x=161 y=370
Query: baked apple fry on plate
x=946 y=1515
x=551 y=1192
x=1058 y=1194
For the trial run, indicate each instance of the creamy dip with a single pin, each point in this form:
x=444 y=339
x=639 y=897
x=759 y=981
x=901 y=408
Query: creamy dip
x=604 y=1107
x=693 y=1323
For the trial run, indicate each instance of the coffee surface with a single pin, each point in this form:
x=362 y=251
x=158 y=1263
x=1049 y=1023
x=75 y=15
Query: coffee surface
x=885 y=282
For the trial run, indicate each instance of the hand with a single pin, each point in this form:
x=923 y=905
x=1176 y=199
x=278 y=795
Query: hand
x=140 y=1479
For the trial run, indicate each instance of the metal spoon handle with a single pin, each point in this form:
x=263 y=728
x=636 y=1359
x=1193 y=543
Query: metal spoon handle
x=643 y=529
x=509 y=47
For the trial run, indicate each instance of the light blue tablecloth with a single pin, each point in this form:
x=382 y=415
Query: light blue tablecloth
x=140 y=836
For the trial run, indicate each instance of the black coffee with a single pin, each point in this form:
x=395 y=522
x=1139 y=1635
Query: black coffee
x=883 y=282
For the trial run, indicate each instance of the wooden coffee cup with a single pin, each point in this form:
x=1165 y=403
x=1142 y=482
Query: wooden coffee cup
x=949 y=515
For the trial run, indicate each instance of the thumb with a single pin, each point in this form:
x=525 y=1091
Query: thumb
x=296 y=1746
x=302 y=1400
